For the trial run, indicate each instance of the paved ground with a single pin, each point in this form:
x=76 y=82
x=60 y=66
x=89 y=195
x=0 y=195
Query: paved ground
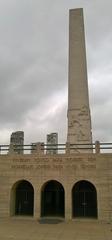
x=28 y=229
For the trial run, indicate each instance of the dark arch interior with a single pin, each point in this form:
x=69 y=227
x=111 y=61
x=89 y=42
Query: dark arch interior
x=24 y=198
x=52 y=199
x=84 y=200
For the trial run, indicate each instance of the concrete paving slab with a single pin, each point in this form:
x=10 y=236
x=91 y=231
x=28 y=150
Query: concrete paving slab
x=29 y=229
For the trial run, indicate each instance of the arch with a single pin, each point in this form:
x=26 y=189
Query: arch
x=52 y=199
x=84 y=200
x=22 y=198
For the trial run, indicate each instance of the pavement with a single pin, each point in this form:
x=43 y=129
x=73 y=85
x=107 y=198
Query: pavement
x=48 y=229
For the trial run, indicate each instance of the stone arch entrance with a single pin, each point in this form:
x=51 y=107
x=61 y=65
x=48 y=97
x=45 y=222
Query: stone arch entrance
x=23 y=198
x=52 y=199
x=84 y=200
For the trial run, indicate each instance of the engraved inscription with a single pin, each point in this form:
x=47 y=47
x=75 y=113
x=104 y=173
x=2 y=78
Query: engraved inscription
x=54 y=167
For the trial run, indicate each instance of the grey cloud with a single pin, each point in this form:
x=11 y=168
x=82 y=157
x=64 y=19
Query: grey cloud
x=34 y=64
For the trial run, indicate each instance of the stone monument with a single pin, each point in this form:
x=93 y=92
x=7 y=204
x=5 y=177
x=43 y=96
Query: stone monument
x=79 y=119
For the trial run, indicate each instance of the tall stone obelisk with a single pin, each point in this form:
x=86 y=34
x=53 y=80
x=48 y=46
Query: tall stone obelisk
x=79 y=119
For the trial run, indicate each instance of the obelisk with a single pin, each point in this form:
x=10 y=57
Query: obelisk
x=79 y=119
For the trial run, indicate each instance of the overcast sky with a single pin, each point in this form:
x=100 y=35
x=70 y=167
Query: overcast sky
x=34 y=67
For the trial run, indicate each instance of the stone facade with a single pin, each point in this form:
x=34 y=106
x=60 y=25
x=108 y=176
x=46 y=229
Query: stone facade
x=63 y=168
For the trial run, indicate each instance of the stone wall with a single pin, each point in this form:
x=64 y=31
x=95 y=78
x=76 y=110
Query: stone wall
x=66 y=169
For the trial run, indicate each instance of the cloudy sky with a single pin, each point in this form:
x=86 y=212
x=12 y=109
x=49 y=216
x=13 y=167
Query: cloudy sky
x=34 y=67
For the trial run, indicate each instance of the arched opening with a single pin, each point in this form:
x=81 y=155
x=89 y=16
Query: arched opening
x=52 y=199
x=24 y=198
x=84 y=200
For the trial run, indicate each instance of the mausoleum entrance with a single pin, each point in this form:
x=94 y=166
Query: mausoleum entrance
x=84 y=200
x=24 y=198
x=52 y=199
